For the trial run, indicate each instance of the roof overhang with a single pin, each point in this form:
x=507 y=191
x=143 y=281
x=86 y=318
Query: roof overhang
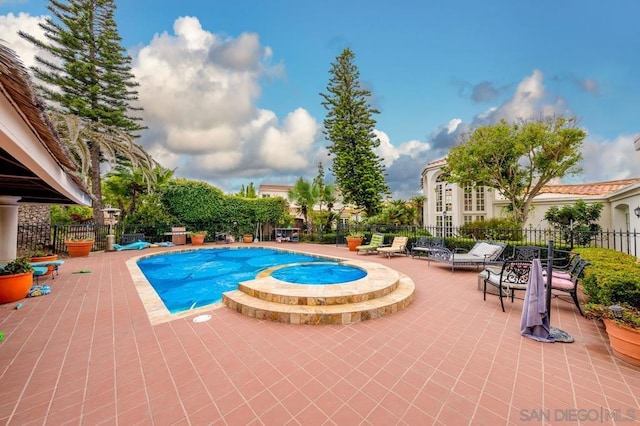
x=34 y=164
x=27 y=168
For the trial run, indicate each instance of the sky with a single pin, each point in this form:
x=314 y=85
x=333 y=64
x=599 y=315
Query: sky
x=230 y=91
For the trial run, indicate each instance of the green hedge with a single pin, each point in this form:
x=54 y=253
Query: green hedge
x=612 y=278
x=198 y=202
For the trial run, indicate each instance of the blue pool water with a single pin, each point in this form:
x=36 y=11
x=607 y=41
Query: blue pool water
x=318 y=273
x=187 y=280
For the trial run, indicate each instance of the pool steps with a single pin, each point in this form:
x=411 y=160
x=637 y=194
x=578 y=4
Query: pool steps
x=382 y=292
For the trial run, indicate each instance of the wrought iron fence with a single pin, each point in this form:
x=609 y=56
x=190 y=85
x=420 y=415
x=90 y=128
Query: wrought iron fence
x=619 y=240
x=52 y=237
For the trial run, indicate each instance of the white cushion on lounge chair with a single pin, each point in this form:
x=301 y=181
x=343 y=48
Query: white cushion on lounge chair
x=464 y=257
x=484 y=249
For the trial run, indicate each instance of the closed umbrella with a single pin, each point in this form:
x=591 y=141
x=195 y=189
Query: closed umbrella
x=536 y=310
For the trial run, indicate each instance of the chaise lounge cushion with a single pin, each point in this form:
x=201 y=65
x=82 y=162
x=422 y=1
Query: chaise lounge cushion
x=481 y=254
x=377 y=240
x=484 y=249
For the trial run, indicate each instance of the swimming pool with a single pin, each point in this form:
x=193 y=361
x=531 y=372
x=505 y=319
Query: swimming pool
x=193 y=279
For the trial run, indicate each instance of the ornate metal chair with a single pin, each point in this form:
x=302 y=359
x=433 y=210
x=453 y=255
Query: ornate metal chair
x=513 y=276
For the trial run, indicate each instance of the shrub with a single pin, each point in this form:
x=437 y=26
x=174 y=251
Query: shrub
x=499 y=229
x=613 y=278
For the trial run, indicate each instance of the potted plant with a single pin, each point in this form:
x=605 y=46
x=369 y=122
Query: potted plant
x=16 y=279
x=40 y=254
x=354 y=239
x=612 y=283
x=79 y=247
x=197 y=237
x=247 y=234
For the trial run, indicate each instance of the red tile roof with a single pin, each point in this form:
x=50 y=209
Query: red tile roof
x=593 y=188
x=437 y=162
x=280 y=188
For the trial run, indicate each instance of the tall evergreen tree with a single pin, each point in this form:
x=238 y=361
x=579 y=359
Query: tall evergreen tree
x=91 y=77
x=248 y=192
x=349 y=126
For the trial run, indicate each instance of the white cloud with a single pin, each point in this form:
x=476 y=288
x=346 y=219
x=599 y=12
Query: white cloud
x=390 y=153
x=386 y=150
x=530 y=100
x=11 y=24
x=621 y=162
x=201 y=89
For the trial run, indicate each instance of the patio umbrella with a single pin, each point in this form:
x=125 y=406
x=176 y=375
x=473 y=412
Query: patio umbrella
x=536 y=310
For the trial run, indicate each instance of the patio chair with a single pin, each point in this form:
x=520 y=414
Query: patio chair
x=483 y=253
x=567 y=282
x=513 y=276
x=377 y=240
x=527 y=253
x=398 y=246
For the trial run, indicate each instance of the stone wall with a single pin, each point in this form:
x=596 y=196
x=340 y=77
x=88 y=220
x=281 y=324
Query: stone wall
x=34 y=226
x=33 y=213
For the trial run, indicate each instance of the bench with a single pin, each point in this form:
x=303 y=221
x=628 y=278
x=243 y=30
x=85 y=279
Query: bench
x=223 y=237
x=55 y=264
x=132 y=238
x=424 y=245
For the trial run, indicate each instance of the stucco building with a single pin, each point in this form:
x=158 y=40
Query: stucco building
x=449 y=205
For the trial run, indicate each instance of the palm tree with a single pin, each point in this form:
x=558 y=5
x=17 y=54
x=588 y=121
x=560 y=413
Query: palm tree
x=80 y=135
x=305 y=195
x=418 y=203
x=124 y=187
x=327 y=196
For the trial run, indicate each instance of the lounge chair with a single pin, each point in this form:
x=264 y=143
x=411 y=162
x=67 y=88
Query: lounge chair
x=377 y=240
x=483 y=253
x=398 y=246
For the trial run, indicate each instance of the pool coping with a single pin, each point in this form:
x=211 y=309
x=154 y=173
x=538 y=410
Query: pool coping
x=158 y=313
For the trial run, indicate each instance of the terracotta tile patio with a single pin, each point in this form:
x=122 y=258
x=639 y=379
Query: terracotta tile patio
x=87 y=354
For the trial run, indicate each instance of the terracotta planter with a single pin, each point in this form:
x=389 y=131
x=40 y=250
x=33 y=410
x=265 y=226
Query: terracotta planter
x=247 y=238
x=50 y=268
x=353 y=242
x=625 y=342
x=197 y=239
x=79 y=248
x=15 y=287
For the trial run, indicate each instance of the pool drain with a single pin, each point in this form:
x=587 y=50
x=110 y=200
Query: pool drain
x=202 y=318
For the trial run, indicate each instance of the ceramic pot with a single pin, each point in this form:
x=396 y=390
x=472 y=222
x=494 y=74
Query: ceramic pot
x=625 y=342
x=353 y=242
x=79 y=248
x=50 y=268
x=247 y=238
x=197 y=239
x=15 y=287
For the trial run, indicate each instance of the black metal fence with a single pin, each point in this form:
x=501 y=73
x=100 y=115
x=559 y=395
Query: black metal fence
x=619 y=240
x=52 y=237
